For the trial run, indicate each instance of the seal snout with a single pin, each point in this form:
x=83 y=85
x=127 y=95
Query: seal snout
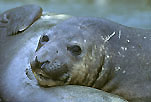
x=50 y=69
x=35 y=64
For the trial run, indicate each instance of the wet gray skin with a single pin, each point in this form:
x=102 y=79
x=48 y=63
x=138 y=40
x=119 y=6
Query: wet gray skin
x=98 y=53
x=17 y=82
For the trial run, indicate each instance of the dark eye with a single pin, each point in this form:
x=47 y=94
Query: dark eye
x=44 y=38
x=75 y=49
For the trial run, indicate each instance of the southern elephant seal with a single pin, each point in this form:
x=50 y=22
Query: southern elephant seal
x=15 y=53
x=98 y=53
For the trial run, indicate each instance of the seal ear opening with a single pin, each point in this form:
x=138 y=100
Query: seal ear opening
x=18 y=19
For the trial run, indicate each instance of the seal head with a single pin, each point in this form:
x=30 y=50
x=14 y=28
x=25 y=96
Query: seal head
x=66 y=56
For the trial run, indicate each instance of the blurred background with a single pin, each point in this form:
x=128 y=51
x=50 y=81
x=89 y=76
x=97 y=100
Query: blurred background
x=134 y=13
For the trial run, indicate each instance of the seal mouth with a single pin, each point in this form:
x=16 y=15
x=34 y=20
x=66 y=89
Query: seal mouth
x=46 y=81
x=42 y=76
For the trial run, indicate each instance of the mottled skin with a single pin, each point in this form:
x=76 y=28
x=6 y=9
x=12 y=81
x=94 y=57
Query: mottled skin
x=18 y=19
x=98 y=53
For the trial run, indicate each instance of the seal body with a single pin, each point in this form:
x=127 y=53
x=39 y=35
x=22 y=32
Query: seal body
x=98 y=53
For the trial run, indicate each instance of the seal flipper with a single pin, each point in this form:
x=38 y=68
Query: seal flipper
x=18 y=19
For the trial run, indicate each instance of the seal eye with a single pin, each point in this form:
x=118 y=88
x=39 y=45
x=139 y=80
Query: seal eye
x=44 y=38
x=75 y=49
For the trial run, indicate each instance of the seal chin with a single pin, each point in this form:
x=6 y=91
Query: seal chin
x=46 y=81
